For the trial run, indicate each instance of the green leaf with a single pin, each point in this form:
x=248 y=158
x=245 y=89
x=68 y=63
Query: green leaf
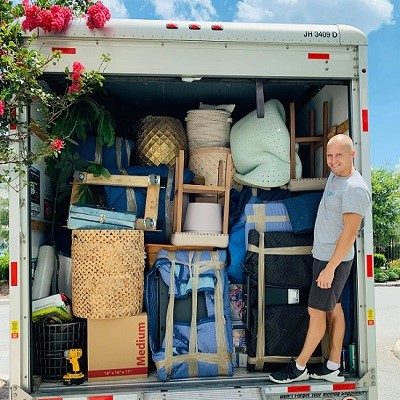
x=95 y=169
x=107 y=129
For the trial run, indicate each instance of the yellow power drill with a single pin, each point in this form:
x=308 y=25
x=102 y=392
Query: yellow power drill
x=76 y=377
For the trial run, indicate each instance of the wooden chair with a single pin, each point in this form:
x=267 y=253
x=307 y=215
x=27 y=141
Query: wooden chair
x=221 y=192
x=312 y=140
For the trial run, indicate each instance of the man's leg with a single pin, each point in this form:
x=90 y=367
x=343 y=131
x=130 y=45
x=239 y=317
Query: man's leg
x=330 y=371
x=315 y=333
x=336 y=328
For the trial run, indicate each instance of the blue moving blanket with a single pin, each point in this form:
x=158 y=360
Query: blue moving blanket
x=202 y=347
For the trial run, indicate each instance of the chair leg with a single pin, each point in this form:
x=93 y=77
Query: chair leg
x=180 y=165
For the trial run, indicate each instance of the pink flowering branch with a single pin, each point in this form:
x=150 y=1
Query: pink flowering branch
x=2 y=107
x=57 y=18
x=57 y=145
x=97 y=15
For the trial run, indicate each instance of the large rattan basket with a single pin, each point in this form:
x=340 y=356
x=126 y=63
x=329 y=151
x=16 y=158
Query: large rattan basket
x=205 y=162
x=208 y=128
x=107 y=273
x=159 y=140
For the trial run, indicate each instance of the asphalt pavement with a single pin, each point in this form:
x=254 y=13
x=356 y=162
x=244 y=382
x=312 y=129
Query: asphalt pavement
x=4 y=340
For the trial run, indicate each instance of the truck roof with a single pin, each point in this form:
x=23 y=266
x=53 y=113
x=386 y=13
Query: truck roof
x=217 y=31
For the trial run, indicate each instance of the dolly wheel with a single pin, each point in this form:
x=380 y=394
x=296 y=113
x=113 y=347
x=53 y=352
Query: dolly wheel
x=79 y=381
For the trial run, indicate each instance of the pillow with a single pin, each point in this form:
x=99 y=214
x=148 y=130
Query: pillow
x=302 y=211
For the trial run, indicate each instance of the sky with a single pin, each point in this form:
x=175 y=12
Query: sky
x=379 y=19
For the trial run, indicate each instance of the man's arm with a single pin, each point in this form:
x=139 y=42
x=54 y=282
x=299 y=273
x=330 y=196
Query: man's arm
x=351 y=225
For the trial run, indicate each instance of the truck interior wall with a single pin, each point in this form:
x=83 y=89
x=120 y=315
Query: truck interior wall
x=132 y=98
x=337 y=96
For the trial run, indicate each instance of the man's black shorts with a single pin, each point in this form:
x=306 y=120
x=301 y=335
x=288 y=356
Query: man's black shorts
x=326 y=299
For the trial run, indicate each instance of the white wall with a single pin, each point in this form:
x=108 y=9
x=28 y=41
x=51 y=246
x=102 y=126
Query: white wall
x=337 y=96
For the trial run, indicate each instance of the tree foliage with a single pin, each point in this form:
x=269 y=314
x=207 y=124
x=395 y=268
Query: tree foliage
x=385 y=206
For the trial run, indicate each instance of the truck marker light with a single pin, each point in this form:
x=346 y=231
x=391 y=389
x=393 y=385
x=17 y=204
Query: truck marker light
x=171 y=26
x=64 y=50
x=13 y=273
x=364 y=120
x=344 y=386
x=299 y=389
x=319 y=56
x=195 y=27
x=370 y=266
x=110 y=397
x=217 y=27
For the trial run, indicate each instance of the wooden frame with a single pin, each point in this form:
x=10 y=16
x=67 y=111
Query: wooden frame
x=312 y=140
x=222 y=192
x=151 y=182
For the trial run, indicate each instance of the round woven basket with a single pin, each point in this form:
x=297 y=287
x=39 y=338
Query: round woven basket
x=159 y=140
x=205 y=162
x=107 y=273
x=208 y=128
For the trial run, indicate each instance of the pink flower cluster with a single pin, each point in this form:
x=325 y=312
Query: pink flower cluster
x=77 y=77
x=97 y=15
x=2 y=107
x=55 y=19
x=57 y=145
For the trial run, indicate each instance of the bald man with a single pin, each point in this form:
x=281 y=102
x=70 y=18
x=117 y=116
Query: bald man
x=344 y=202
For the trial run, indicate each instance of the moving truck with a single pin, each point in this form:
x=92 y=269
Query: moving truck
x=167 y=68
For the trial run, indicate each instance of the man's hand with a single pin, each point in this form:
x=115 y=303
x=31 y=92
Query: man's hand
x=325 y=278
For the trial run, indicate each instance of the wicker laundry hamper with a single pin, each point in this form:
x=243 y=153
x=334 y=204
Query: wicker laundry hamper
x=159 y=140
x=205 y=162
x=107 y=273
x=208 y=128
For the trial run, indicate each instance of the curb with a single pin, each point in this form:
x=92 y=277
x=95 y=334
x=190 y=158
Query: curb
x=388 y=284
x=397 y=349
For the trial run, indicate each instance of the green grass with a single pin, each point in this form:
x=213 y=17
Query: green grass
x=4 y=261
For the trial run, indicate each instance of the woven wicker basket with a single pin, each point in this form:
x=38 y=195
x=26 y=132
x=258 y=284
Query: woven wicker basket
x=159 y=140
x=208 y=128
x=205 y=162
x=107 y=273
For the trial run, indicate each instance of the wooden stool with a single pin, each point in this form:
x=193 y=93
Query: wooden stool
x=222 y=193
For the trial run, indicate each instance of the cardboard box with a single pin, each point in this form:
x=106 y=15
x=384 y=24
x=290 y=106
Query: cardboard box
x=56 y=308
x=117 y=348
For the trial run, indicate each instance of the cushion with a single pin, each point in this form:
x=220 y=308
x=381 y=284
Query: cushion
x=237 y=221
x=261 y=148
x=302 y=211
x=267 y=217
